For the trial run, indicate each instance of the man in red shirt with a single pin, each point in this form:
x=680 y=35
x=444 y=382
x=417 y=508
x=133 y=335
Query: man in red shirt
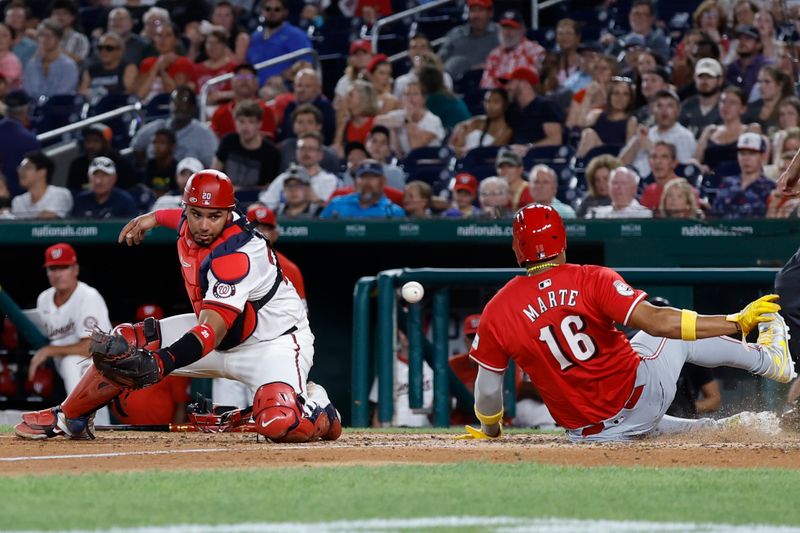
x=558 y=324
x=245 y=87
x=663 y=160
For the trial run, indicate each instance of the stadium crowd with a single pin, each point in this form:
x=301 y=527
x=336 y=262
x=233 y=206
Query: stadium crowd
x=629 y=109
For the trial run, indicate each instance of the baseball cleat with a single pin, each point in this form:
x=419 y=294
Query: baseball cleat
x=765 y=422
x=772 y=338
x=49 y=423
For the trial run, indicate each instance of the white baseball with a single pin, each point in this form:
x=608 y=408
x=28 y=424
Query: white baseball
x=412 y=292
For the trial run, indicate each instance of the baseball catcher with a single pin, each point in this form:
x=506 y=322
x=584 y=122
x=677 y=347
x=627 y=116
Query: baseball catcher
x=251 y=326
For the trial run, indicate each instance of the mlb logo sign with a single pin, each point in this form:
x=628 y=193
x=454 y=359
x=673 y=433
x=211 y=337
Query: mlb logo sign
x=206 y=198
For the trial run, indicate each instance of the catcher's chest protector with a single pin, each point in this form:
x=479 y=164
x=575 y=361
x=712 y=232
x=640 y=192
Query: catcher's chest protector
x=195 y=260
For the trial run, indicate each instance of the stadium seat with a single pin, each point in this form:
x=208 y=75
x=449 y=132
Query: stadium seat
x=583 y=162
x=430 y=164
x=57 y=111
x=691 y=172
x=123 y=126
x=480 y=162
x=547 y=155
x=157 y=107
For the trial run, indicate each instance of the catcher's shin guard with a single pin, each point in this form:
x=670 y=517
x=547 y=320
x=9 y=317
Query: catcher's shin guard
x=280 y=415
x=91 y=393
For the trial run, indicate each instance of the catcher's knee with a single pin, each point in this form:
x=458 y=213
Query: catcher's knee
x=279 y=415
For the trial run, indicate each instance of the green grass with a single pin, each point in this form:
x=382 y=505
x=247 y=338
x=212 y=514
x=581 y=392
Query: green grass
x=341 y=493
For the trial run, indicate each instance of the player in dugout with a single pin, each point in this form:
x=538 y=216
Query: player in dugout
x=251 y=326
x=557 y=323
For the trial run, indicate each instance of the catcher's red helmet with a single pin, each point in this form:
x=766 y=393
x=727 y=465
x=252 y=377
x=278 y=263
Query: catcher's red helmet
x=209 y=188
x=539 y=234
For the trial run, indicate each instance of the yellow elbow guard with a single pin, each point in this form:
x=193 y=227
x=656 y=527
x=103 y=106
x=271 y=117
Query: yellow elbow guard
x=489 y=420
x=688 y=325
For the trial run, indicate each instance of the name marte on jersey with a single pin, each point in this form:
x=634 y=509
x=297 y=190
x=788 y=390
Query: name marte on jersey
x=550 y=299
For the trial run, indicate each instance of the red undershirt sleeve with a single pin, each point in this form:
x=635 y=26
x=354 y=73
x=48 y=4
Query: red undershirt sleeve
x=169 y=218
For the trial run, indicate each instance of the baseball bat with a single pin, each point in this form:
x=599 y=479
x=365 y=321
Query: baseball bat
x=23 y=324
x=176 y=428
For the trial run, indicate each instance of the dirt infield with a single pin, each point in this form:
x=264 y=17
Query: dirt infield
x=122 y=451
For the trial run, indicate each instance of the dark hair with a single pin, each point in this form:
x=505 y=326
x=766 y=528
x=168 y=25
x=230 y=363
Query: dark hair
x=187 y=90
x=648 y=3
x=669 y=146
x=502 y=92
x=69 y=5
x=168 y=133
x=431 y=80
x=245 y=66
x=307 y=109
x=627 y=82
x=782 y=79
x=284 y=3
x=354 y=145
x=41 y=161
x=383 y=130
x=248 y=108
x=11 y=30
x=51 y=25
x=737 y=91
x=313 y=135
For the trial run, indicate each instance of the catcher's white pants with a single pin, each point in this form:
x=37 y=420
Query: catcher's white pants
x=287 y=358
x=662 y=361
x=71 y=368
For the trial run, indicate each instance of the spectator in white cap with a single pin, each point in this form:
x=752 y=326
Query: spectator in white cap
x=745 y=195
x=103 y=199
x=702 y=109
x=186 y=167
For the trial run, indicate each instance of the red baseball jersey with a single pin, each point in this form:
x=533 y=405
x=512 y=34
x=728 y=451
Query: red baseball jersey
x=559 y=326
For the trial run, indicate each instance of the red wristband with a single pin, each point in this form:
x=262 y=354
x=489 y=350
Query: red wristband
x=206 y=335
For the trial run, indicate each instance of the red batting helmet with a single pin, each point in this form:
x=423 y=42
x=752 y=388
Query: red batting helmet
x=209 y=188
x=539 y=234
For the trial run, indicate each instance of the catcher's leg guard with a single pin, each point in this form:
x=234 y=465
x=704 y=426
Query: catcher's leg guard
x=92 y=392
x=280 y=415
x=318 y=395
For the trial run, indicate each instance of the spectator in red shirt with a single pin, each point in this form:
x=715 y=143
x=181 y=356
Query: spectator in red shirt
x=162 y=74
x=355 y=118
x=220 y=61
x=514 y=51
x=663 y=161
x=244 y=86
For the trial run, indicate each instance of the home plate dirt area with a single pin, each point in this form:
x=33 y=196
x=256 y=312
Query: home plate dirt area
x=129 y=451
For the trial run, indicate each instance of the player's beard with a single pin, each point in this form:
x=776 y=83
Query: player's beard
x=202 y=239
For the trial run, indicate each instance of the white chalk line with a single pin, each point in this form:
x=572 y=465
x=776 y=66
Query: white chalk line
x=504 y=524
x=276 y=447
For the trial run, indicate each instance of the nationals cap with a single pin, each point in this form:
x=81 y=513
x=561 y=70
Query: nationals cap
x=751 y=141
x=471 y=324
x=61 y=254
x=360 y=45
x=465 y=182
x=262 y=214
x=521 y=73
x=512 y=19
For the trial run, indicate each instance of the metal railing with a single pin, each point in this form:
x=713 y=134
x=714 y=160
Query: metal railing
x=537 y=6
x=376 y=30
x=46 y=136
x=204 y=90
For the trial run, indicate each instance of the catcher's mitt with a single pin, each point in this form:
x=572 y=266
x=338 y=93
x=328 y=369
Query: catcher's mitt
x=118 y=358
x=790 y=419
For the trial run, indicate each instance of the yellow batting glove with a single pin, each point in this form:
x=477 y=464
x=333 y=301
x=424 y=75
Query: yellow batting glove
x=753 y=313
x=477 y=434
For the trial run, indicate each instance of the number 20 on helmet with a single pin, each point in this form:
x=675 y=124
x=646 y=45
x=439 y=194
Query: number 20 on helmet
x=209 y=188
x=539 y=234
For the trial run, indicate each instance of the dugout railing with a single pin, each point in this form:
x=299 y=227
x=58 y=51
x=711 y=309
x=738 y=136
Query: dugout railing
x=378 y=347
